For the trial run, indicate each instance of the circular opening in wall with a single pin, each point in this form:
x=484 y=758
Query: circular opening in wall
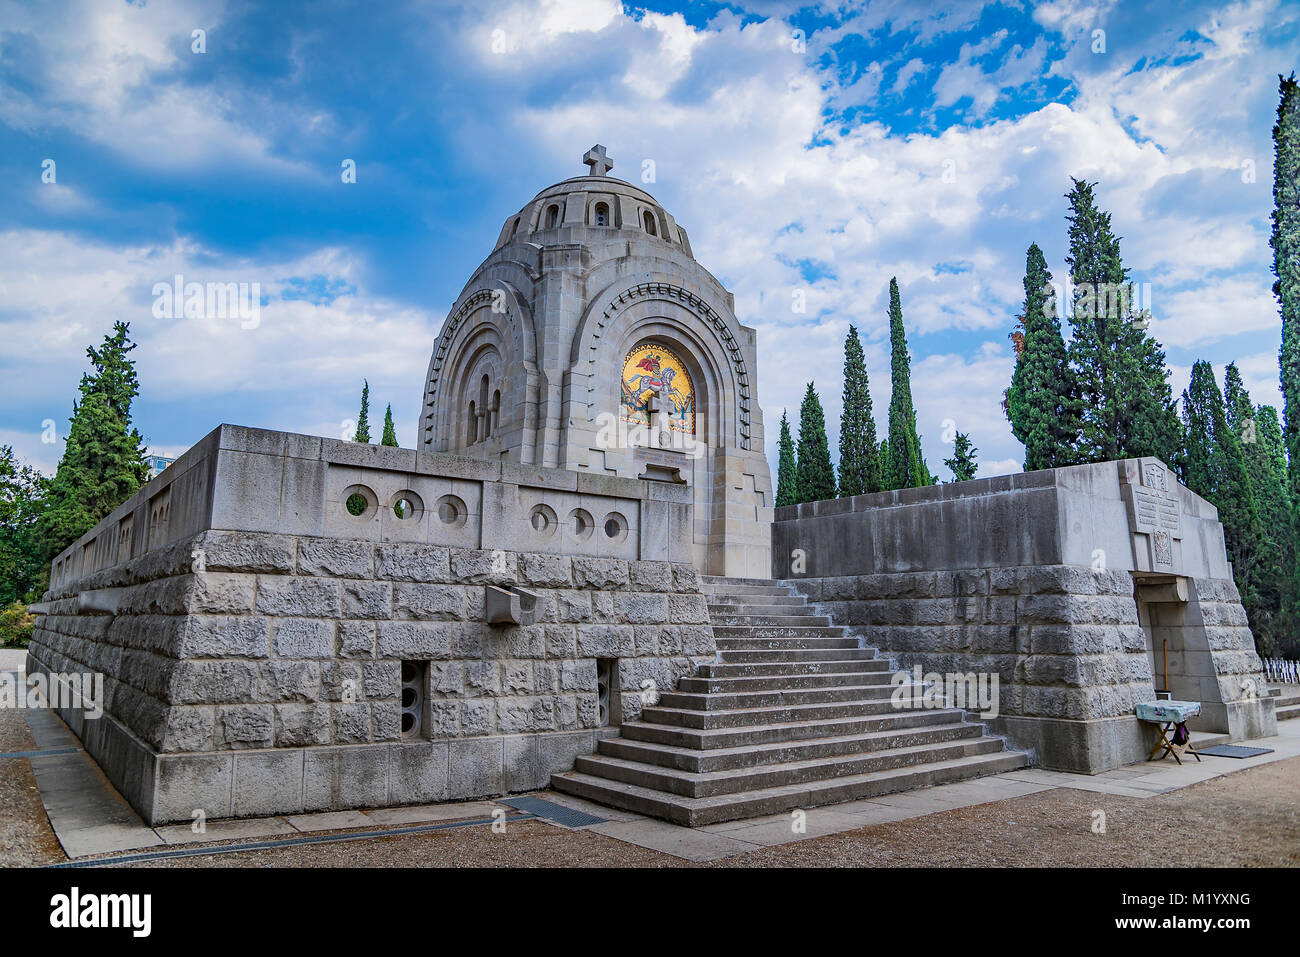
x=409 y=672
x=582 y=523
x=408 y=722
x=359 y=501
x=542 y=519
x=407 y=506
x=409 y=697
x=615 y=527
x=451 y=511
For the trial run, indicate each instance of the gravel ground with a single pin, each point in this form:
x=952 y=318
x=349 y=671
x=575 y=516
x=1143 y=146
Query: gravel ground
x=26 y=838
x=1247 y=819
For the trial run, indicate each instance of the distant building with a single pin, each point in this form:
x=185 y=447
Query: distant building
x=157 y=463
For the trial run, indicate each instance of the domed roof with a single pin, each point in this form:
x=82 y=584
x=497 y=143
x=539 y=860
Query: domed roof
x=590 y=208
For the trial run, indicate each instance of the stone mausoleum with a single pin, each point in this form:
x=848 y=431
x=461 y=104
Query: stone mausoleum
x=576 y=581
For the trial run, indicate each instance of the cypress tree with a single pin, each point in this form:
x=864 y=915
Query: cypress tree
x=390 y=433
x=1275 y=503
x=1216 y=470
x=787 y=481
x=1041 y=402
x=905 y=468
x=1198 y=421
x=363 y=418
x=1261 y=444
x=103 y=459
x=1286 y=264
x=1285 y=241
x=859 y=454
x=815 y=476
x=962 y=463
x=1123 y=383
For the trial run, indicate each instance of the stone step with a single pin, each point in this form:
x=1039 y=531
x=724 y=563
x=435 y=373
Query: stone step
x=749 y=656
x=733 y=780
x=787 y=682
x=1287 y=712
x=778 y=621
x=702 y=701
x=795 y=632
x=1285 y=699
x=783 y=726
x=754 y=610
x=696 y=812
x=730 y=598
x=755 y=718
x=749 y=582
x=767 y=669
x=696 y=761
x=845 y=643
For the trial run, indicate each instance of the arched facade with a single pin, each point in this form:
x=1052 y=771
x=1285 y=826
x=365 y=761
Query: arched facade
x=528 y=367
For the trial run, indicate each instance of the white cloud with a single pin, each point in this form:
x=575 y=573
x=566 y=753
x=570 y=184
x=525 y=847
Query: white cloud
x=287 y=372
x=113 y=75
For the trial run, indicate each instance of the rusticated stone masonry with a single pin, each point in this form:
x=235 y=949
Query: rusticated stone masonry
x=264 y=670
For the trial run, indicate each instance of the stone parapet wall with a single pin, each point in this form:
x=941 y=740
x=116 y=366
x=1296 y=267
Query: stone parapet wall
x=1064 y=641
x=257 y=672
x=1065 y=583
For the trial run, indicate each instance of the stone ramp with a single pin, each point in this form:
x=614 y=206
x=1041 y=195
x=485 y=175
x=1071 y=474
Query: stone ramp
x=794 y=713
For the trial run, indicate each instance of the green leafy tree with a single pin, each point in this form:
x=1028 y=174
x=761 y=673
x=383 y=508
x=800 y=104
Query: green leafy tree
x=904 y=468
x=1127 y=405
x=787 y=479
x=1042 y=402
x=390 y=433
x=22 y=551
x=962 y=463
x=815 y=477
x=103 y=459
x=859 y=453
x=363 y=417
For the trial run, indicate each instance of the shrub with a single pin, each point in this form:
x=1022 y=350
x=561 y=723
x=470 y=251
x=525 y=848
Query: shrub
x=16 y=625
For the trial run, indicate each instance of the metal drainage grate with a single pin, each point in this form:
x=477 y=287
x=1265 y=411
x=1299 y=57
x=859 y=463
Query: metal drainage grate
x=39 y=754
x=555 y=813
x=1233 y=751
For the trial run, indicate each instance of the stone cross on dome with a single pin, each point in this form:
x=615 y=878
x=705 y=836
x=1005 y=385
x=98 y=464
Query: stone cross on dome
x=600 y=163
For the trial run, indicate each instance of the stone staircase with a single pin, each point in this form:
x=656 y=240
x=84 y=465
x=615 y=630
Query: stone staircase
x=794 y=713
x=1286 y=699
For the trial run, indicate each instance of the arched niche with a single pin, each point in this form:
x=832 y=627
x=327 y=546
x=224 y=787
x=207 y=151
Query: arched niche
x=490 y=317
x=616 y=321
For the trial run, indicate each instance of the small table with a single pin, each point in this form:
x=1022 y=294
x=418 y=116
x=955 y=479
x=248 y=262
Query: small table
x=1166 y=716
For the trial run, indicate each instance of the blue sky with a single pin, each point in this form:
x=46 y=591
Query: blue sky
x=818 y=149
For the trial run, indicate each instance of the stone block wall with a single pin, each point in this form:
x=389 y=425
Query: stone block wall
x=258 y=672
x=1037 y=578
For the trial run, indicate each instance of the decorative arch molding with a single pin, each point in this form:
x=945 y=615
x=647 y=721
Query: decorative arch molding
x=513 y=321
x=599 y=322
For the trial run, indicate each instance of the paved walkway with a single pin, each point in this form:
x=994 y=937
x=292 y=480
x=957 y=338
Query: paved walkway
x=13 y=659
x=90 y=818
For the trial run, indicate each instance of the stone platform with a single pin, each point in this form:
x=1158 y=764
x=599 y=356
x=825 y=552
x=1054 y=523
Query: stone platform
x=259 y=642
